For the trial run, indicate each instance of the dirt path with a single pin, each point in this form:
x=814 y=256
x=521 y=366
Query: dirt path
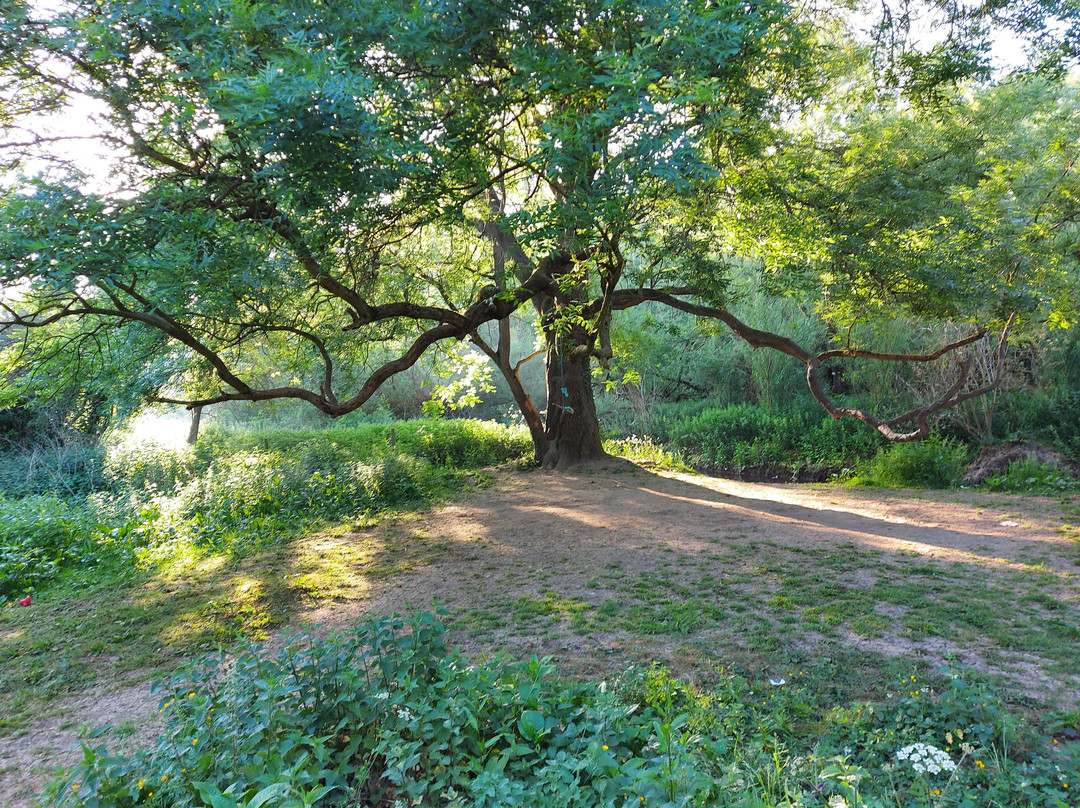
x=611 y=564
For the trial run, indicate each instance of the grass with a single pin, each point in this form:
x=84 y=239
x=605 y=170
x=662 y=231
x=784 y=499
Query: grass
x=88 y=629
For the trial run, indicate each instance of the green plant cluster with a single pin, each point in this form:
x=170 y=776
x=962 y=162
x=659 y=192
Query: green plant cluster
x=43 y=534
x=746 y=436
x=932 y=463
x=235 y=492
x=460 y=443
x=387 y=716
x=71 y=468
x=1031 y=476
x=1051 y=417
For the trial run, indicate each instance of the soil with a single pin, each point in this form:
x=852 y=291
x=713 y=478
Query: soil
x=528 y=533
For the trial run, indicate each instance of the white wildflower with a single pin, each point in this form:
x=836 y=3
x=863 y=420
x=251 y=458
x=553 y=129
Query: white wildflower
x=926 y=758
x=836 y=801
x=405 y=714
x=383 y=696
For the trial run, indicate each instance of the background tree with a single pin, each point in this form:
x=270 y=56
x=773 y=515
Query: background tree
x=296 y=187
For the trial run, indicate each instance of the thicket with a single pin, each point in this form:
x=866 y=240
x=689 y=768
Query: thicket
x=236 y=491
x=388 y=716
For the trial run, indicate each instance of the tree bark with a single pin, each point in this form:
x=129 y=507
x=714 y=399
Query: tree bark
x=573 y=431
x=193 y=431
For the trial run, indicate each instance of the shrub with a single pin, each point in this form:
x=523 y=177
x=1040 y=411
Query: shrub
x=72 y=469
x=139 y=465
x=236 y=491
x=745 y=436
x=42 y=534
x=458 y=443
x=392 y=715
x=387 y=716
x=252 y=498
x=930 y=463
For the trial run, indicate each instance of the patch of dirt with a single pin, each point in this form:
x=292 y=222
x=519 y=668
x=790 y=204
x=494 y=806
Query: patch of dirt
x=574 y=541
x=31 y=757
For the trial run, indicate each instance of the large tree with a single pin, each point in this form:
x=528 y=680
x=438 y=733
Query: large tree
x=297 y=186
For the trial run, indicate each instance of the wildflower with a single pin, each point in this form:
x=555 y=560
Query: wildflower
x=836 y=801
x=604 y=747
x=926 y=759
x=383 y=696
x=967 y=748
x=405 y=714
x=194 y=741
x=141 y=784
x=980 y=764
x=164 y=777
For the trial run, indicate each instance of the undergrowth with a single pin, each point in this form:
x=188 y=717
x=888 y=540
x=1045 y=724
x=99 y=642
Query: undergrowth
x=235 y=492
x=745 y=436
x=388 y=716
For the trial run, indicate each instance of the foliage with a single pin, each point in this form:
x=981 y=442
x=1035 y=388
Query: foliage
x=644 y=451
x=301 y=202
x=387 y=715
x=235 y=492
x=934 y=463
x=745 y=436
x=1031 y=476
x=1050 y=416
x=41 y=534
x=69 y=467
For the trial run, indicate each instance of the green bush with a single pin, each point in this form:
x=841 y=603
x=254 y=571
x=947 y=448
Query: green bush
x=387 y=716
x=393 y=716
x=457 y=443
x=139 y=465
x=746 y=436
x=931 y=463
x=1049 y=417
x=42 y=534
x=70 y=469
x=236 y=491
x=250 y=499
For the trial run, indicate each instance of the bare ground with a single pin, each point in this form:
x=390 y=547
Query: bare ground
x=553 y=563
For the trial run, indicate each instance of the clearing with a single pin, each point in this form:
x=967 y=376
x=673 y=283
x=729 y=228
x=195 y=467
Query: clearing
x=612 y=564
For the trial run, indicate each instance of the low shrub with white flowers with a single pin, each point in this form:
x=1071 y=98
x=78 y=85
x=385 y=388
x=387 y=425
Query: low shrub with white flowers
x=388 y=716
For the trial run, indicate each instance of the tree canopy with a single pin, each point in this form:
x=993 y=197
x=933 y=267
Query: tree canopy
x=296 y=188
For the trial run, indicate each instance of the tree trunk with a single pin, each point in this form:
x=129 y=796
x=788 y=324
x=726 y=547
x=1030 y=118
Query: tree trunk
x=193 y=431
x=573 y=431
